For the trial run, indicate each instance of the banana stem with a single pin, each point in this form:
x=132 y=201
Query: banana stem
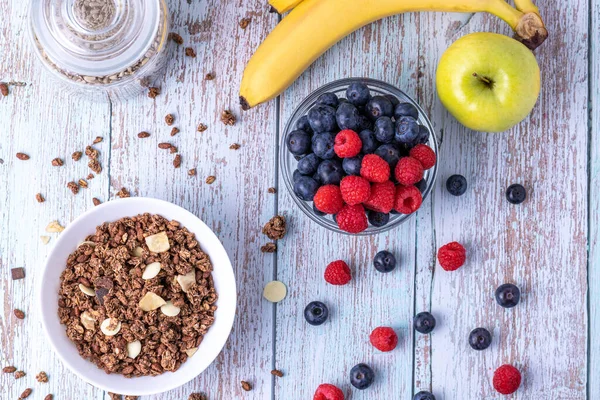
x=525 y=20
x=526 y=6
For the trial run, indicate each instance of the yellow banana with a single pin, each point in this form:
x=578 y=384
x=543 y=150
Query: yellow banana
x=314 y=26
x=283 y=6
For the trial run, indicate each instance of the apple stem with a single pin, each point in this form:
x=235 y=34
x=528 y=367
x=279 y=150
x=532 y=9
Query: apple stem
x=485 y=80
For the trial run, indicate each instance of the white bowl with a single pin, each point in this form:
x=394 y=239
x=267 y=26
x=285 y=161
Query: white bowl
x=214 y=340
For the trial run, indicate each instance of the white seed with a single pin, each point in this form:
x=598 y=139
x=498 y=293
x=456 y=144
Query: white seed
x=87 y=320
x=170 y=310
x=134 y=349
x=275 y=291
x=151 y=270
x=158 y=243
x=187 y=280
x=113 y=323
x=138 y=252
x=86 y=290
x=45 y=239
x=151 y=301
x=191 y=352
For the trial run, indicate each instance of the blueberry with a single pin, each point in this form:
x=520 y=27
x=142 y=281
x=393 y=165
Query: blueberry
x=379 y=106
x=358 y=93
x=508 y=295
x=298 y=142
x=329 y=99
x=407 y=130
x=424 y=322
x=317 y=211
x=480 y=339
x=364 y=122
x=303 y=124
x=322 y=145
x=421 y=185
x=352 y=165
x=384 y=261
x=393 y=99
x=316 y=313
x=406 y=110
x=342 y=100
x=308 y=164
x=423 y=135
x=516 y=194
x=305 y=188
x=389 y=153
x=361 y=376
x=384 y=129
x=317 y=178
x=322 y=118
x=423 y=395
x=330 y=172
x=378 y=219
x=347 y=116
x=456 y=185
x=369 y=141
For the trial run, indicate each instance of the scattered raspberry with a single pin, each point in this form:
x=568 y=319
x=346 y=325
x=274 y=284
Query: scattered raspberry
x=408 y=199
x=507 y=379
x=382 y=197
x=347 y=144
x=375 y=168
x=352 y=219
x=424 y=155
x=337 y=273
x=355 y=189
x=328 y=392
x=408 y=171
x=384 y=338
x=328 y=199
x=452 y=256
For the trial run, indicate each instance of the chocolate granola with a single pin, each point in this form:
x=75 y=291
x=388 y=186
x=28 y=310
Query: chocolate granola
x=113 y=277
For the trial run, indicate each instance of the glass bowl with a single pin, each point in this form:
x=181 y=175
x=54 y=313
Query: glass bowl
x=288 y=161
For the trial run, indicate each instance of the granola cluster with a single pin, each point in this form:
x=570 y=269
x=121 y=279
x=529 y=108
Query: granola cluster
x=137 y=297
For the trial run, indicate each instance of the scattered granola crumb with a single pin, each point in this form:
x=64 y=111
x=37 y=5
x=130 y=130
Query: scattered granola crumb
x=22 y=156
x=209 y=77
x=83 y=183
x=169 y=119
x=173 y=149
x=89 y=176
x=143 y=135
x=9 y=370
x=235 y=146
x=272 y=190
x=17 y=273
x=164 y=146
x=192 y=172
x=114 y=396
x=176 y=37
x=244 y=22
x=4 y=89
x=54 y=227
x=190 y=52
x=96 y=201
x=40 y=198
x=95 y=166
x=91 y=152
x=269 y=248
x=42 y=377
x=98 y=139
x=73 y=187
x=76 y=156
x=275 y=228
x=174 y=131
x=228 y=118
x=246 y=386
x=177 y=161
x=201 y=128
x=57 y=162
x=123 y=193
x=153 y=92
x=197 y=396
x=131 y=397
x=277 y=372
x=25 y=394
x=49 y=397
x=210 y=179
x=19 y=374
x=45 y=239
x=19 y=314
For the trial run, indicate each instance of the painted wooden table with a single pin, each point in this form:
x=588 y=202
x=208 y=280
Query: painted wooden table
x=548 y=245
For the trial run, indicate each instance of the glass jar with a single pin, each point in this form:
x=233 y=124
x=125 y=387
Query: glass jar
x=103 y=48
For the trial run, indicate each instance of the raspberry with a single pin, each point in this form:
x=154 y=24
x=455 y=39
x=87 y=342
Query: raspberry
x=374 y=168
x=355 y=189
x=408 y=171
x=507 y=379
x=328 y=199
x=424 y=155
x=408 y=199
x=382 y=197
x=337 y=273
x=347 y=144
x=352 y=219
x=452 y=256
x=384 y=338
x=326 y=391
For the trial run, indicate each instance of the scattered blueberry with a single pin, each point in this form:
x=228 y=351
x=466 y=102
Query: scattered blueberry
x=480 y=339
x=322 y=118
x=508 y=295
x=393 y=99
x=303 y=124
x=424 y=322
x=423 y=395
x=352 y=165
x=358 y=93
x=296 y=175
x=456 y=185
x=308 y=164
x=322 y=145
x=378 y=219
x=298 y=142
x=406 y=110
x=361 y=376
x=384 y=129
x=347 y=116
x=516 y=194
x=407 y=130
x=317 y=211
x=306 y=188
x=369 y=141
x=316 y=313
x=329 y=99
x=384 y=261
x=330 y=172
x=379 y=106
x=389 y=153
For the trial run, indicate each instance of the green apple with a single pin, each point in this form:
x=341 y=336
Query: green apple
x=488 y=82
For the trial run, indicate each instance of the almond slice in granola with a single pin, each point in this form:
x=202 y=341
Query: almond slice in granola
x=170 y=310
x=87 y=320
x=151 y=301
x=134 y=349
x=191 y=352
x=93 y=244
x=275 y=291
x=110 y=326
x=86 y=290
x=138 y=252
x=151 y=270
x=54 y=227
x=158 y=243
x=187 y=280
